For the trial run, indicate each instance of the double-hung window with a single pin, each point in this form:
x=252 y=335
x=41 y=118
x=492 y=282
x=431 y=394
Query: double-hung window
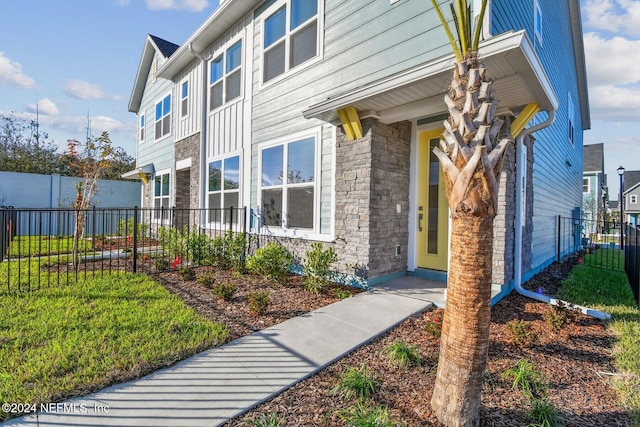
x=184 y=99
x=224 y=189
x=163 y=117
x=161 y=196
x=570 y=120
x=633 y=199
x=288 y=185
x=290 y=37
x=225 y=77
x=141 y=127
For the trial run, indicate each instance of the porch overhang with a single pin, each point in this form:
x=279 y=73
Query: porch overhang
x=418 y=92
x=142 y=173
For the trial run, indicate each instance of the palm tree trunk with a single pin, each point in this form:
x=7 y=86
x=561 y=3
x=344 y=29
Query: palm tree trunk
x=465 y=328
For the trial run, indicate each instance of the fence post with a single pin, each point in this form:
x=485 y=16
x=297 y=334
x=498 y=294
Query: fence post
x=135 y=239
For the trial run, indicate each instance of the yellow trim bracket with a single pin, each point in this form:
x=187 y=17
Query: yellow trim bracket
x=350 y=123
x=523 y=118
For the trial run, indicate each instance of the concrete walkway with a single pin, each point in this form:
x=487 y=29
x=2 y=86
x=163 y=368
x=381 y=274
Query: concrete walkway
x=223 y=382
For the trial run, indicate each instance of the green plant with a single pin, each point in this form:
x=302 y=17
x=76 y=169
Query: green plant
x=265 y=420
x=272 y=262
x=521 y=333
x=434 y=327
x=402 y=354
x=558 y=317
x=207 y=279
x=161 y=264
x=224 y=290
x=342 y=294
x=362 y=415
x=258 y=302
x=527 y=379
x=544 y=414
x=229 y=251
x=317 y=267
x=360 y=383
x=125 y=228
x=187 y=273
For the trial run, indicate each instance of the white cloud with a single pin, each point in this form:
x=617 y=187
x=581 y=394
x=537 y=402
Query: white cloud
x=189 y=5
x=122 y=2
x=44 y=106
x=11 y=72
x=616 y=16
x=84 y=90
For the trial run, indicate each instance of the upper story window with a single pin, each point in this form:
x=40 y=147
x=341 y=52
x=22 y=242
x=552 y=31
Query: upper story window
x=225 y=77
x=570 y=120
x=163 y=117
x=633 y=199
x=184 y=99
x=290 y=37
x=537 y=21
x=288 y=184
x=585 y=185
x=141 y=127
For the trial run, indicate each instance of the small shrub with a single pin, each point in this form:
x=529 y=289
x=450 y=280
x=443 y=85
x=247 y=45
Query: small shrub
x=265 y=420
x=125 y=228
x=317 y=267
x=434 y=328
x=544 y=414
x=259 y=302
x=224 y=291
x=527 y=379
x=207 y=280
x=402 y=354
x=360 y=383
x=362 y=415
x=521 y=333
x=187 y=273
x=342 y=294
x=162 y=264
x=272 y=262
x=558 y=317
x=229 y=251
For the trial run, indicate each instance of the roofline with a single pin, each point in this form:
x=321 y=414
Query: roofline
x=224 y=17
x=143 y=72
x=581 y=70
x=636 y=185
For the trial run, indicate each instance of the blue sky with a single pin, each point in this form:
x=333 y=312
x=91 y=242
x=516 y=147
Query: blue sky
x=76 y=56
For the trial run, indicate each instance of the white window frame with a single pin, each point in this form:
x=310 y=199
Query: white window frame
x=224 y=223
x=155 y=122
x=571 y=124
x=142 y=123
x=223 y=54
x=284 y=230
x=184 y=99
x=588 y=185
x=159 y=198
x=537 y=21
x=319 y=17
x=633 y=199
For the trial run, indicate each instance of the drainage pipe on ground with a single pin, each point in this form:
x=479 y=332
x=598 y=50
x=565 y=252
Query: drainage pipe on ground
x=520 y=189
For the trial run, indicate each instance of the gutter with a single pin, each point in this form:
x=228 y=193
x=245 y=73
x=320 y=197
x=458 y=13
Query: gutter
x=518 y=232
x=203 y=131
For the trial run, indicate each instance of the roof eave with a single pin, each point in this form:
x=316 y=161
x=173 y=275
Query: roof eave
x=581 y=70
x=137 y=91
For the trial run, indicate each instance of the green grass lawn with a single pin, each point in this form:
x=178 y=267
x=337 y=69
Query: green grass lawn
x=25 y=246
x=63 y=341
x=609 y=291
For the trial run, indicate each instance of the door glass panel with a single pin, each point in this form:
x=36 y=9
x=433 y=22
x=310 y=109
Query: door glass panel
x=434 y=187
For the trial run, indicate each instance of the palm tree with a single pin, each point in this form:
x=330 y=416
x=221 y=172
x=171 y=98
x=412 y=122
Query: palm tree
x=471 y=154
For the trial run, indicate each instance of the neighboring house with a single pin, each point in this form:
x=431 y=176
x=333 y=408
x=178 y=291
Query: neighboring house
x=631 y=197
x=594 y=187
x=320 y=116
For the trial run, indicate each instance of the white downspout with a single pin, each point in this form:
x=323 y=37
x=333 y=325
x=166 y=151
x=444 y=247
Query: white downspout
x=518 y=232
x=203 y=133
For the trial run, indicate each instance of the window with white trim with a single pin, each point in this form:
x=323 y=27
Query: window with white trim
x=537 y=21
x=586 y=187
x=161 y=195
x=184 y=99
x=288 y=185
x=225 y=76
x=141 y=127
x=290 y=37
x=163 y=117
x=570 y=120
x=224 y=189
x=633 y=199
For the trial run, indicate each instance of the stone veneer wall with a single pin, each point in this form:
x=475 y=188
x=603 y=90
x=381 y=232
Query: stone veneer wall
x=527 y=233
x=184 y=149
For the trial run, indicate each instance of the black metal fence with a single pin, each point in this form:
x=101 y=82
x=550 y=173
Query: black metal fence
x=632 y=258
x=596 y=243
x=39 y=247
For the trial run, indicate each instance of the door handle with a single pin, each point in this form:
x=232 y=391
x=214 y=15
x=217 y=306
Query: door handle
x=420 y=216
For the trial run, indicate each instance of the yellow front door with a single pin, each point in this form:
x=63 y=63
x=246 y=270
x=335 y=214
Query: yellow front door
x=433 y=210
